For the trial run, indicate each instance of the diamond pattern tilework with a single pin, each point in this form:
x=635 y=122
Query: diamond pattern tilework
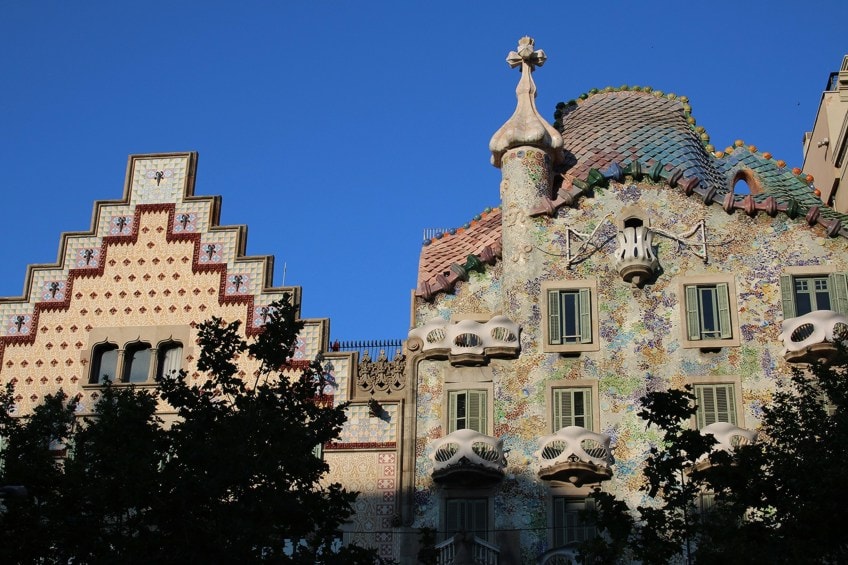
x=621 y=127
x=157 y=180
x=362 y=428
x=437 y=257
x=340 y=375
x=372 y=474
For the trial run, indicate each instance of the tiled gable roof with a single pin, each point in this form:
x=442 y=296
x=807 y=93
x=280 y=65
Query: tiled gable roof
x=448 y=258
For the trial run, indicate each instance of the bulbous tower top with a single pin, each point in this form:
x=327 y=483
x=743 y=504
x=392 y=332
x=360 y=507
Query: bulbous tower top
x=526 y=126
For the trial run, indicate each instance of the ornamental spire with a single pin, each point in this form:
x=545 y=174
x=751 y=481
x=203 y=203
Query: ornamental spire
x=526 y=126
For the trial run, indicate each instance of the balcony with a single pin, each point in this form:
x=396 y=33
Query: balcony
x=575 y=455
x=466 y=342
x=634 y=257
x=466 y=549
x=814 y=336
x=728 y=438
x=560 y=556
x=468 y=457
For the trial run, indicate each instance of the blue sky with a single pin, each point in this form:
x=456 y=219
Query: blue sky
x=339 y=131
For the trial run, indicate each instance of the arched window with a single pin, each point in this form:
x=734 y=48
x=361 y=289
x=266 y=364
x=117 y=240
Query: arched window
x=170 y=359
x=136 y=362
x=104 y=363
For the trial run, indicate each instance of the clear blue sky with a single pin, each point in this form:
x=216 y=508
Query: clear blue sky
x=339 y=131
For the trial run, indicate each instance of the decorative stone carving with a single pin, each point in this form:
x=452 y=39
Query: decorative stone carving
x=634 y=258
x=382 y=375
x=576 y=455
x=468 y=456
x=813 y=336
x=526 y=126
x=467 y=342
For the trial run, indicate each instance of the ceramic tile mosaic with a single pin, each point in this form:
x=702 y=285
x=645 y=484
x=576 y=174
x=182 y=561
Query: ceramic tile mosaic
x=362 y=428
x=158 y=180
x=640 y=329
x=373 y=474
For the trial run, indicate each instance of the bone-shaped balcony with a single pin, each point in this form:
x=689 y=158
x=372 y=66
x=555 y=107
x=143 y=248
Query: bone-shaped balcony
x=468 y=457
x=466 y=342
x=813 y=337
x=575 y=455
x=728 y=437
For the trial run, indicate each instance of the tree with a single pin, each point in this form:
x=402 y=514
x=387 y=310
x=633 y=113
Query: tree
x=234 y=478
x=241 y=481
x=30 y=459
x=779 y=500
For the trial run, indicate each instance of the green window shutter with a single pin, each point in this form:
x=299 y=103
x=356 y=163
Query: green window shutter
x=558 y=409
x=706 y=406
x=554 y=325
x=716 y=403
x=723 y=299
x=452 y=411
x=585 y=316
x=453 y=508
x=559 y=509
x=787 y=295
x=479 y=517
x=725 y=404
x=839 y=292
x=476 y=407
x=693 y=314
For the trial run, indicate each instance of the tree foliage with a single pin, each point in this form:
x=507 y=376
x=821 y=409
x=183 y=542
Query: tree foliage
x=232 y=478
x=779 y=500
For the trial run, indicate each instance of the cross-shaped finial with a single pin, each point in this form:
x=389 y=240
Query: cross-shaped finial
x=525 y=53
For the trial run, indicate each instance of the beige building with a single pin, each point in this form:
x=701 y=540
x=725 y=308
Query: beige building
x=825 y=147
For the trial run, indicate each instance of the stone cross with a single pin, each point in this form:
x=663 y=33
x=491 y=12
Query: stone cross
x=526 y=54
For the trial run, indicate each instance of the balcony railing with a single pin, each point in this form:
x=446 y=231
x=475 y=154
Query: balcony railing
x=813 y=336
x=560 y=556
x=468 y=456
x=466 y=549
x=576 y=455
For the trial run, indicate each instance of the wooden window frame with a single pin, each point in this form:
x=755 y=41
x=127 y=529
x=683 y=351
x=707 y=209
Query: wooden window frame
x=730 y=381
x=838 y=288
x=691 y=311
x=586 y=291
x=590 y=385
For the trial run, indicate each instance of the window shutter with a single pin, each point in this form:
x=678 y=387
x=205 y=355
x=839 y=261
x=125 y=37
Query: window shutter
x=716 y=403
x=554 y=326
x=585 y=316
x=839 y=292
x=725 y=405
x=453 y=509
x=558 y=409
x=787 y=295
x=693 y=314
x=480 y=525
x=452 y=412
x=559 y=521
x=476 y=407
x=723 y=299
x=706 y=406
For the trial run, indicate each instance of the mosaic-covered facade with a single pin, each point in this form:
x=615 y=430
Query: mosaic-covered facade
x=622 y=217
